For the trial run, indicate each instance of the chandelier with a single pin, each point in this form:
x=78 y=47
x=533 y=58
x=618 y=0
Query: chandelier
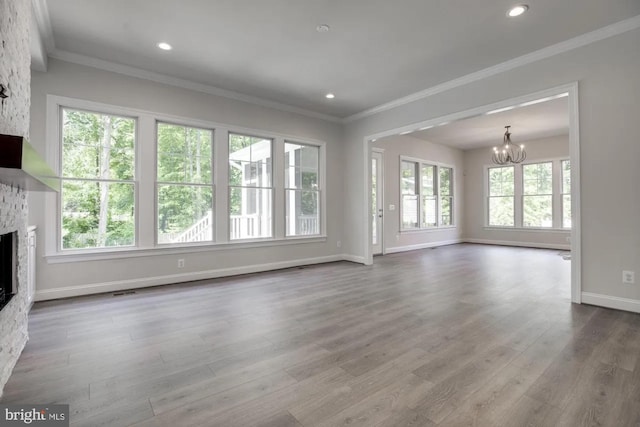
x=509 y=152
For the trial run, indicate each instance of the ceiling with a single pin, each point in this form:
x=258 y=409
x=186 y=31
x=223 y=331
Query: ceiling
x=536 y=121
x=376 y=50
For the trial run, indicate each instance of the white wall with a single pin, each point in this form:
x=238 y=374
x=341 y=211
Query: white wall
x=475 y=162
x=405 y=145
x=609 y=84
x=74 y=278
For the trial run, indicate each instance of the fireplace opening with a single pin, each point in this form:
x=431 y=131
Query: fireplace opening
x=7 y=267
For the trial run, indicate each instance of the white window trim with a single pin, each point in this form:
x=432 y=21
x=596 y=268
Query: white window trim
x=145 y=175
x=275 y=151
x=519 y=193
x=438 y=165
x=157 y=183
x=320 y=189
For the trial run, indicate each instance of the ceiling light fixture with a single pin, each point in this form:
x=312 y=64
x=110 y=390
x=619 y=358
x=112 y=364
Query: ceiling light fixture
x=322 y=28
x=329 y=96
x=407 y=132
x=509 y=153
x=517 y=10
x=164 y=46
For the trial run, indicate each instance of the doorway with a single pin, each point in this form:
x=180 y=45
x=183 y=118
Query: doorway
x=571 y=92
x=377 y=201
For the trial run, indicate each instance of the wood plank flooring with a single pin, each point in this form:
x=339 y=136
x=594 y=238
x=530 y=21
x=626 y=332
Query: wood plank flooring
x=462 y=335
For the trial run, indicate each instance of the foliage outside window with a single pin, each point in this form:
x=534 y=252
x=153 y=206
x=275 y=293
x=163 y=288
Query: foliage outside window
x=501 y=196
x=544 y=195
x=446 y=196
x=566 y=193
x=250 y=187
x=302 y=192
x=98 y=187
x=427 y=195
x=184 y=184
x=537 y=199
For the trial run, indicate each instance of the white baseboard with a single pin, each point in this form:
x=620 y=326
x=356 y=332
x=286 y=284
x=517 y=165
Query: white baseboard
x=559 y=246
x=618 y=303
x=353 y=258
x=407 y=248
x=121 y=285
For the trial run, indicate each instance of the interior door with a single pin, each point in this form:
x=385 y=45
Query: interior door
x=377 y=202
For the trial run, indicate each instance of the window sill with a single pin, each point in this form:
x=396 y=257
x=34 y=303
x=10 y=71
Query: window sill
x=427 y=230
x=133 y=252
x=527 y=229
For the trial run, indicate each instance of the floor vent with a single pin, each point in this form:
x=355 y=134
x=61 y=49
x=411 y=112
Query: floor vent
x=117 y=294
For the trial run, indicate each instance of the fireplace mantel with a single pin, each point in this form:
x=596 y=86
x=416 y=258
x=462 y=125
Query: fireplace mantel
x=21 y=166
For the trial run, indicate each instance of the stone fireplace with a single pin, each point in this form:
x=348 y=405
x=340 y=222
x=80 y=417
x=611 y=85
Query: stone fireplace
x=15 y=76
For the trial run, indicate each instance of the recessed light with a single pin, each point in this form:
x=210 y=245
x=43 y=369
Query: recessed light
x=165 y=46
x=329 y=96
x=322 y=28
x=518 y=10
x=407 y=132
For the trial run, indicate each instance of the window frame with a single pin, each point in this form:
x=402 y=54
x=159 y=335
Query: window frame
x=489 y=196
x=552 y=194
x=271 y=188
x=145 y=191
x=158 y=183
x=563 y=193
x=59 y=167
x=518 y=196
x=319 y=191
x=418 y=165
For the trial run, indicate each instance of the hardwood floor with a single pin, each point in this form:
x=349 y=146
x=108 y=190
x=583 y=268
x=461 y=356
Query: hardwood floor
x=463 y=335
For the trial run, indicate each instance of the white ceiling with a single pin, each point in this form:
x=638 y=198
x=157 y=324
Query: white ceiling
x=536 y=121
x=375 y=52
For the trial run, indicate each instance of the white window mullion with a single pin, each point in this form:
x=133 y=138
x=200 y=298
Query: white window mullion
x=145 y=182
x=557 y=193
x=278 y=171
x=221 y=183
x=518 y=198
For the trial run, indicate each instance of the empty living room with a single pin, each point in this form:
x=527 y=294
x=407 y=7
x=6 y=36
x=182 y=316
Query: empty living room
x=319 y=213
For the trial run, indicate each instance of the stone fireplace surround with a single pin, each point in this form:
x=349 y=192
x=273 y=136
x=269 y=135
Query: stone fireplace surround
x=13 y=317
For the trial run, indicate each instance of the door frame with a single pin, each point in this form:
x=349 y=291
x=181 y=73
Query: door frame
x=574 y=157
x=380 y=177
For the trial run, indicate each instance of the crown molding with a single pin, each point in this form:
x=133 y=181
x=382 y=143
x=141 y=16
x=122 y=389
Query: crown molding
x=41 y=15
x=127 y=70
x=556 y=49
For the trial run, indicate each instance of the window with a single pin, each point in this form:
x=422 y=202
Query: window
x=427 y=195
x=537 y=199
x=302 y=193
x=543 y=192
x=446 y=196
x=250 y=187
x=409 y=194
x=138 y=181
x=566 y=193
x=501 y=196
x=184 y=180
x=98 y=187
